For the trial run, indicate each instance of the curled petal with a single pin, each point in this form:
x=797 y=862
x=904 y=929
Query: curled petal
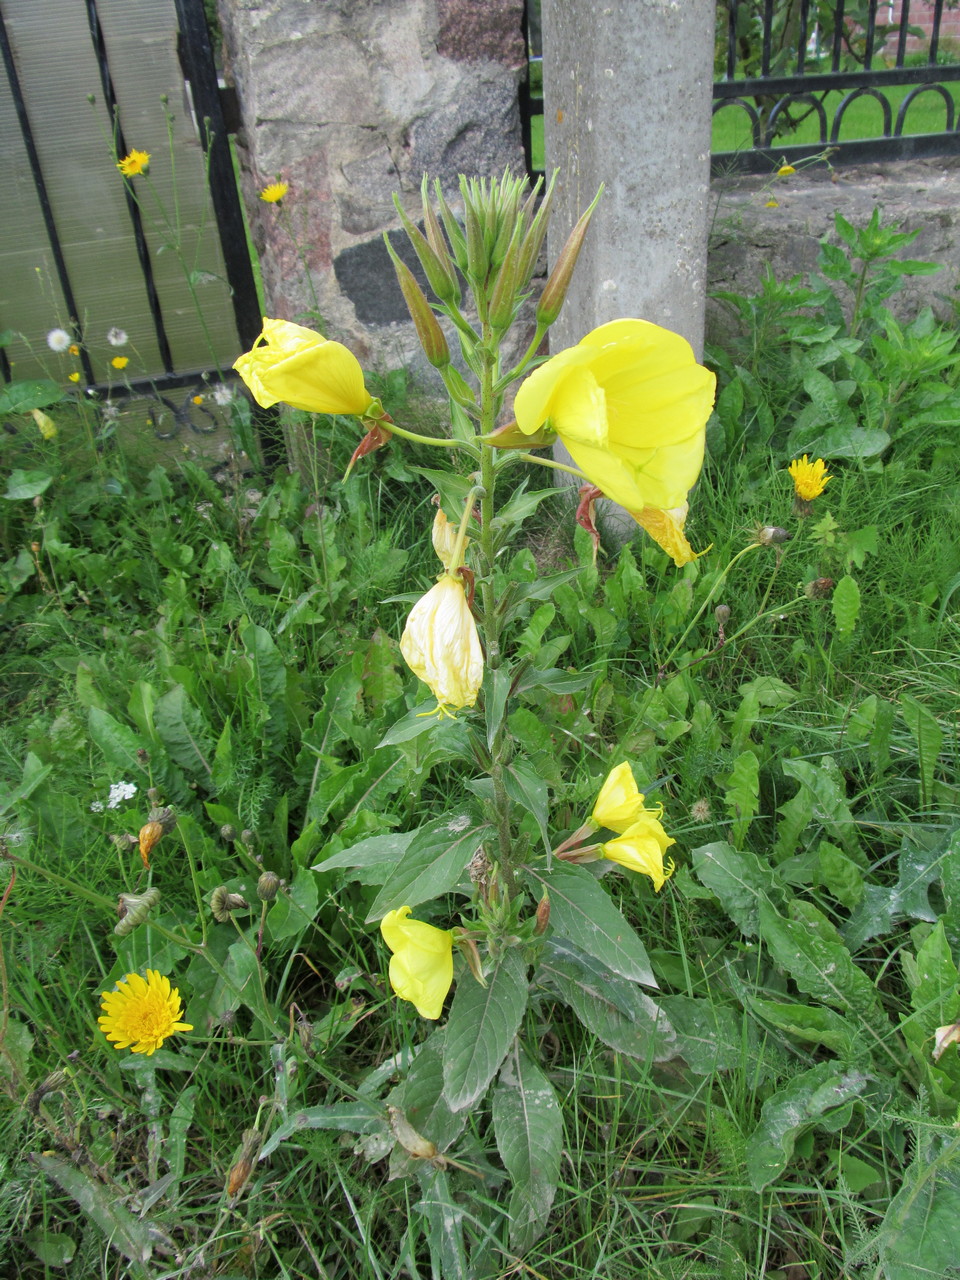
x=290 y=363
x=441 y=645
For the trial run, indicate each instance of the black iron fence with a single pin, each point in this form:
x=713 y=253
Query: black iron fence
x=793 y=69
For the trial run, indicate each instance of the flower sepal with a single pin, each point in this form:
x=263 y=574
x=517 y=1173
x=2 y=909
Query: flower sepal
x=511 y=436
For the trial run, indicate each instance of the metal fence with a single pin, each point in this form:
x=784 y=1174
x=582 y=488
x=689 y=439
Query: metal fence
x=782 y=64
x=164 y=258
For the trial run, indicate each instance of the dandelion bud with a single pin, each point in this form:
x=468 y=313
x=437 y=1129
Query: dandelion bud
x=153 y=795
x=555 y=290
x=229 y=832
x=125 y=842
x=722 y=614
x=248 y=837
x=167 y=817
x=133 y=909
x=244 y=1159
x=223 y=903
x=52 y=1084
x=771 y=535
x=268 y=886
x=819 y=589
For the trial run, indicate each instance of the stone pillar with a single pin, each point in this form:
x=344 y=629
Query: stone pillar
x=348 y=101
x=628 y=90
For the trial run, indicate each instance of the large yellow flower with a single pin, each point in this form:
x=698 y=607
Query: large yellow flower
x=421 y=967
x=141 y=1013
x=641 y=848
x=290 y=363
x=631 y=404
x=619 y=804
x=441 y=645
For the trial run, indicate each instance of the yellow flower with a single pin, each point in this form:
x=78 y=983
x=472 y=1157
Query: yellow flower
x=274 y=192
x=296 y=365
x=809 y=478
x=133 y=163
x=120 y=362
x=141 y=1013
x=641 y=848
x=73 y=349
x=45 y=424
x=785 y=171
x=74 y=377
x=197 y=400
x=440 y=645
x=631 y=404
x=444 y=536
x=421 y=967
x=772 y=204
x=619 y=804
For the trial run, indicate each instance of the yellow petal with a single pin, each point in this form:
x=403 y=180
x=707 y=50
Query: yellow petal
x=441 y=645
x=666 y=529
x=641 y=849
x=303 y=369
x=619 y=804
x=421 y=967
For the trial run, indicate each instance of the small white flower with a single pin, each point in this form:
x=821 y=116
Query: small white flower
x=119 y=792
x=58 y=340
x=222 y=394
x=97 y=806
x=117 y=337
x=110 y=411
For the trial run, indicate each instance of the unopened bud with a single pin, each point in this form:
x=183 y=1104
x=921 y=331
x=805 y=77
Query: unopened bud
x=229 y=832
x=166 y=816
x=37 y=502
x=543 y=916
x=819 y=589
x=223 y=903
x=268 y=886
x=722 y=614
x=125 y=842
x=439 y=271
x=244 y=1159
x=421 y=313
x=503 y=300
x=555 y=290
x=248 y=837
x=143 y=755
x=771 y=535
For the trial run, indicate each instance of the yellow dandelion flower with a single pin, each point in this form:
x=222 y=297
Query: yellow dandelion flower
x=809 y=478
x=785 y=171
x=198 y=400
x=74 y=377
x=120 y=362
x=141 y=1013
x=274 y=192
x=134 y=162
x=73 y=349
x=772 y=204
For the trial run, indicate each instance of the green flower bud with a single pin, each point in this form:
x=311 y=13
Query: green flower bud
x=558 y=282
x=425 y=322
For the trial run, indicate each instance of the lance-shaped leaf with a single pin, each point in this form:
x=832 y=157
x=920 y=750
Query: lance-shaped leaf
x=433 y=862
x=480 y=1030
x=528 y=1127
x=739 y=879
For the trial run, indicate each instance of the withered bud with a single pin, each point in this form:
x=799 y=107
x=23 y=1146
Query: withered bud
x=133 y=909
x=771 y=535
x=143 y=755
x=53 y=1084
x=150 y=834
x=167 y=817
x=819 y=589
x=268 y=886
x=223 y=903
x=414 y=1143
x=37 y=502
x=125 y=842
x=229 y=832
x=245 y=1157
x=543 y=916
x=722 y=614
x=153 y=795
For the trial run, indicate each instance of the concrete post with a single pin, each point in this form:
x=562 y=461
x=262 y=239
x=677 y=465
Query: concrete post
x=628 y=91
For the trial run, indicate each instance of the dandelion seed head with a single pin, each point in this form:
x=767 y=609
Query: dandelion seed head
x=59 y=340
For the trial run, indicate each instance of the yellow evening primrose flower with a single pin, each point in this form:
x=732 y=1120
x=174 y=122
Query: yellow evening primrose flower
x=421 y=967
x=440 y=644
x=809 y=478
x=141 y=1013
x=772 y=204
x=444 y=537
x=630 y=403
x=274 y=192
x=619 y=804
x=290 y=363
x=134 y=162
x=120 y=362
x=641 y=848
x=785 y=171
x=74 y=377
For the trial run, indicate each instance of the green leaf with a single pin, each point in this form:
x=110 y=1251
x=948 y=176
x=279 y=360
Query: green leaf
x=742 y=794
x=448 y=1257
x=882 y=906
x=117 y=741
x=293 y=911
x=373 y=859
x=845 y=603
x=100 y=1205
x=29 y=393
x=432 y=863
x=827 y=789
x=811 y=951
x=184 y=732
x=420 y=719
x=359 y=1116
x=918 y=1236
x=267 y=686
x=929 y=739
x=581 y=912
x=26 y=484
x=813 y=1024
x=615 y=1010
x=805 y=1100
x=528 y=1127
x=739 y=879
x=480 y=1029
x=529 y=791
x=421 y=1098
x=53 y=1248
x=710 y=1036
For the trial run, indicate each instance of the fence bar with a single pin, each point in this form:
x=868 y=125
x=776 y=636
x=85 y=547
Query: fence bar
x=902 y=34
x=63 y=276
x=802 y=37
x=732 y=40
x=133 y=208
x=935 y=33
x=837 y=36
x=871 y=33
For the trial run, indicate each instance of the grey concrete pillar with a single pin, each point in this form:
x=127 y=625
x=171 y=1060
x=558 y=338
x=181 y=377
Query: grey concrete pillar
x=628 y=91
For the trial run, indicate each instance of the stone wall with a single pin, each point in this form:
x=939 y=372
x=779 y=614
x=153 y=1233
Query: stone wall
x=348 y=101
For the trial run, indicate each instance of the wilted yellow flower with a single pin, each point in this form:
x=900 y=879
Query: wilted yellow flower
x=421 y=967
x=141 y=1013
x=630 y=403
x=809 y=478
x=641 y=848
x=274 y=192
x=120 y=362
x=134 y=162
x=440 y=645
x=296 y=365
x=45 y=424
x=666 y=529
x=772 y=204
x=444 y=536
x=785 y=171
x=619 y=804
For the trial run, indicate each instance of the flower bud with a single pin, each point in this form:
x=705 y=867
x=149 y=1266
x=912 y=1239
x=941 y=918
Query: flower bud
x=223 y=903
x=248 y=837
x=543 y=916
x=150 y=834
x=819 y=589
x=229 y=832
x=244 y=1159
x=555 y=290
x=166 y=816
x=503 y=300
x=133 y=909
x=771 y=535
x=439 y=272
x=421 y=313
x=722 y=614
x=143 y=755
x=268 y=886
